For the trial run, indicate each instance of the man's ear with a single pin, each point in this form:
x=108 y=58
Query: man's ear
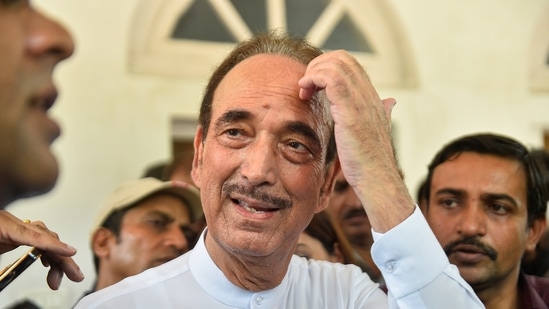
x=196 y=172
x=328 y=185
x=535 y=232
x=101 y=239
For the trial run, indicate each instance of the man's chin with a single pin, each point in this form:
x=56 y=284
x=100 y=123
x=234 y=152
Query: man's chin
x=38 y=190
x=476 y=277
x=40 y=184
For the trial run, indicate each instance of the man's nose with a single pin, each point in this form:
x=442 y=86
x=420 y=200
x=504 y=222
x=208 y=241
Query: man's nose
x=176 y=239
x=258 y=162
x=47 y=37
x=473 y=220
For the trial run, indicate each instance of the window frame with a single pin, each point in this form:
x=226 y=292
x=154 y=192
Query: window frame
x=152 y=51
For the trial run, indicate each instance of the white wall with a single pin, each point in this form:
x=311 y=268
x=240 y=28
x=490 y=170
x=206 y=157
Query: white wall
x=472 y=61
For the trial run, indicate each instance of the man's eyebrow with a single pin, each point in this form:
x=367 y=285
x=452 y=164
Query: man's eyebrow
x=484 y=196
x=298 y=127
x=232 y=116
x=499 y=196
x=163 y=215
x=304 y=130
x=451 y=191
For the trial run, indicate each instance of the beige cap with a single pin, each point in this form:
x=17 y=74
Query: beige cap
x=131 y=192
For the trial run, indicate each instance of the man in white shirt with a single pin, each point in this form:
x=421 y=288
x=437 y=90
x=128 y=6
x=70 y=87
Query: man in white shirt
x=265 y=161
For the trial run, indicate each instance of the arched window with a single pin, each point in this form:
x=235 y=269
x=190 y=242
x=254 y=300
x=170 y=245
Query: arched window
x=189 y=37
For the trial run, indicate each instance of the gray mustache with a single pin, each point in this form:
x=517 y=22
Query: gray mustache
x=256 y=193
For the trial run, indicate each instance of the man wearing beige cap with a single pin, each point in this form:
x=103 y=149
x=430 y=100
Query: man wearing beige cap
x=141 y=225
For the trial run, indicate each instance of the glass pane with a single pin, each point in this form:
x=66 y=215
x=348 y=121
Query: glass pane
x=253 y=12
x=302 y=14
x=200 y=22
x=347 y=36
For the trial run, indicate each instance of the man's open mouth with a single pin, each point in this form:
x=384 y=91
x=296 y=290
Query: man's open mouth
x=254 y=208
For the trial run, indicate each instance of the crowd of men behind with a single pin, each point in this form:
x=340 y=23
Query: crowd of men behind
x=482 y=206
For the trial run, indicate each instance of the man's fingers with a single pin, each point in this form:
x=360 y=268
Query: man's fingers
x=55 y=253
x=15 y=232
x=71 y=269
x=55 y=276
x=307 y=87
x=388 y=105
x=37 y=234
x=58 y=267
x=67 y=267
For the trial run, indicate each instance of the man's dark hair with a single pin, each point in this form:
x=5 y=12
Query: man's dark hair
x=538 y=263
x=421 y=194
x=503 y=147
x=541 y=158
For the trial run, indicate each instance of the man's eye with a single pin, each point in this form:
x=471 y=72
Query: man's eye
x=296 y=152
x=232 y=132
x=499 y=209
x=297 y=145
x=157 y=223
x=448 y=203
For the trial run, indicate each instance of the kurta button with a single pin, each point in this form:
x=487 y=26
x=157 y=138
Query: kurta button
x=390 y=266
x=258 y=300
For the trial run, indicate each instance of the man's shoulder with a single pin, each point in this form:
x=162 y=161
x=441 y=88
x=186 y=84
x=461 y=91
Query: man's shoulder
x=163 y=277
x=305 y=269
x=539 y=285
x=536 y=281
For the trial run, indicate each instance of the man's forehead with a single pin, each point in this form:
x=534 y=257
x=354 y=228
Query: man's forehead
x=487 y=162
x=283 y=62
x=269 y=80
x=264 y=79
x=263 y=68
x=476 y=173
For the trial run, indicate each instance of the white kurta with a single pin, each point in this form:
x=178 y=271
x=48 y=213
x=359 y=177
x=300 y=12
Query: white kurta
x=414 y=266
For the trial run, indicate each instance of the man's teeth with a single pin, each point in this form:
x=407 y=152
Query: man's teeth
x=250 y=209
